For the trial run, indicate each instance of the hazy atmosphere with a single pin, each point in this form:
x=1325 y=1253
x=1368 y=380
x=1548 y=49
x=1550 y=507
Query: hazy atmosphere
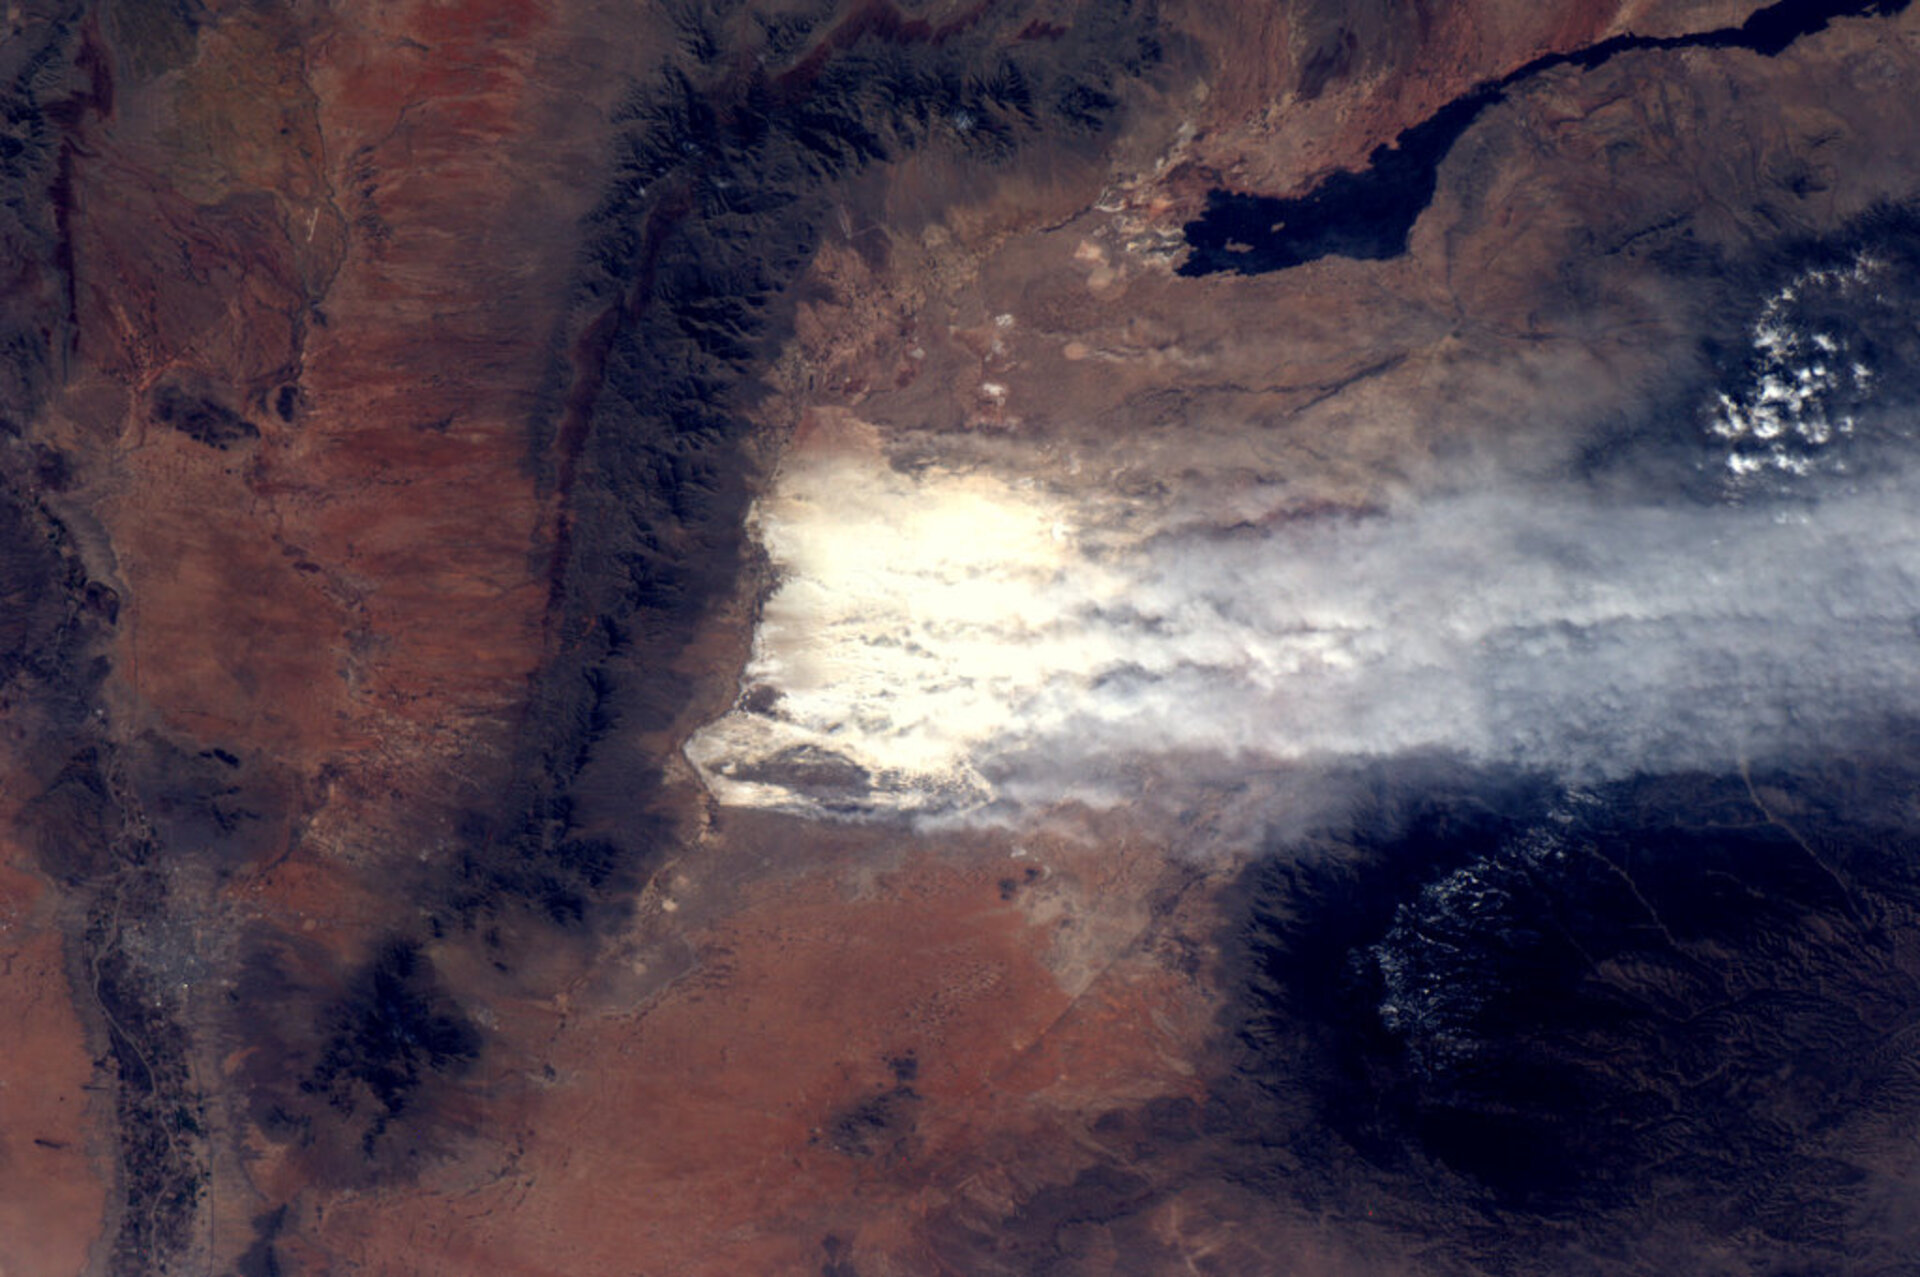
x=943 y=642
x=960 y=638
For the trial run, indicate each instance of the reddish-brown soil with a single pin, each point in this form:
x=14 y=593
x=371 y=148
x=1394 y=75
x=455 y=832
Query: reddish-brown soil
x=847 y=1051
x=54 y=1146
x=778 y=1047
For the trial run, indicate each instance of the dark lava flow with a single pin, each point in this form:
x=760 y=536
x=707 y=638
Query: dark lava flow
x=1368 y=215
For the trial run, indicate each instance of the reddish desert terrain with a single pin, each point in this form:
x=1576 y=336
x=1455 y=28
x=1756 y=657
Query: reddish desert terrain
x=392 y=384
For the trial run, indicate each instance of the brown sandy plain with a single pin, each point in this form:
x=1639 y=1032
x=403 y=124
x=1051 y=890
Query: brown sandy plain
x=322 y=387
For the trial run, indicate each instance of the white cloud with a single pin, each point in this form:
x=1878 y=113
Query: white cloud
x=945 y=641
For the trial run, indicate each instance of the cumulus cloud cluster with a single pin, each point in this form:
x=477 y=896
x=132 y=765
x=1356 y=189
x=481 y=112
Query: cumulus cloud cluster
x=1803 y=377
x=945 y=642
